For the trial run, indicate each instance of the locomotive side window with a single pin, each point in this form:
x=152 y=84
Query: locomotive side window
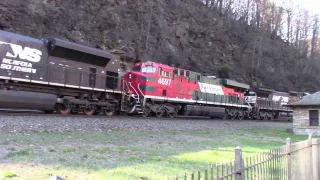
x=188 y=73
x=163 y=73
x=198 y=78
x=176 y=71
x=149 y=69
x=92 y=77
x=181 y=72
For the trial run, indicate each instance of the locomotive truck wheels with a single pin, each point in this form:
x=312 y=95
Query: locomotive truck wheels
x=89 y=111
x=240 y=116
x=63 y=109
x=226 y=117
x=146 y=111
x=265 y=116
x=145 y=114
x=108 y=112
x=160 y=113
x=271 y=117
x=97 y=111
x=233 y=115
x=173 y=114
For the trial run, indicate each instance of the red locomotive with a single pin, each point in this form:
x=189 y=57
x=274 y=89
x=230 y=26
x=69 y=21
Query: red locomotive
x=161 y=89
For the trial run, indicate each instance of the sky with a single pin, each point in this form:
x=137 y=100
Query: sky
x=312 y=5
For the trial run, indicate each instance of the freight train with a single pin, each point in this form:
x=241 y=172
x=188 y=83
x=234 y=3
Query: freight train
x=52 y=74
x=159 y=90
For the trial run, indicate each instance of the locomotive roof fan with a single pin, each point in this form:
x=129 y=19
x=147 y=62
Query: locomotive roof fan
x=148 y=63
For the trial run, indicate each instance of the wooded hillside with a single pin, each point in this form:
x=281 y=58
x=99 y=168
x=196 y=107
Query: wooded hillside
x=252 y=41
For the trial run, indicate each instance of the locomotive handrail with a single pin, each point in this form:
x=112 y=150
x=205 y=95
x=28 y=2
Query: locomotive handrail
x=140 y=90
x=135 y=91
x=250 y=107
x=126 y=84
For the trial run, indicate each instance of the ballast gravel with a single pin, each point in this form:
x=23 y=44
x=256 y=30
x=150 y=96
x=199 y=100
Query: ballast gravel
x=37 y=122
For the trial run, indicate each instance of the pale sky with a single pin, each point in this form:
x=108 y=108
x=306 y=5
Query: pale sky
x=312 y=5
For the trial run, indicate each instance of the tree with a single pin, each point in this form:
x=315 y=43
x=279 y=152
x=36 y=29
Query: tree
x=315 y=34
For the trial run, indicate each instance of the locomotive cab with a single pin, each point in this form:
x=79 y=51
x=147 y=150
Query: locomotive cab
x=139 y=77
x=250 y=97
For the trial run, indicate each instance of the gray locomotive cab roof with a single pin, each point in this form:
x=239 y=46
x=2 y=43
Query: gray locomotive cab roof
x=234 y=83
x=266 y=90
x=72 y=51
x=18 y=37
x=261 y=89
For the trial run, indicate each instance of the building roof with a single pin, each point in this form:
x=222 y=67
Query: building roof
x=309 y=100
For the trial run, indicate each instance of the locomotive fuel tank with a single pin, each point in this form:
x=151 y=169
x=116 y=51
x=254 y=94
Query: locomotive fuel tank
x=11 y=99
x=194 y=110
x=285 y=114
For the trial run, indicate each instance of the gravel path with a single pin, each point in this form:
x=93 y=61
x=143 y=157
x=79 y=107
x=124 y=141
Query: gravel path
x=33 y=122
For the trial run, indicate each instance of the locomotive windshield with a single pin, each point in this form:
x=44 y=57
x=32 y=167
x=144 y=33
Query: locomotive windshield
x=249 y=93
x=148 y=69
x=136 y=68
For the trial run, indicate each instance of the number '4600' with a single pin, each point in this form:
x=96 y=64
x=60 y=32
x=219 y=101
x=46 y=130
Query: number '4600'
x=164 y=81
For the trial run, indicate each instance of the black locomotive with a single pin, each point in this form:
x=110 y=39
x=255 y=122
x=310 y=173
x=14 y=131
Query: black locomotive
x=50 y=73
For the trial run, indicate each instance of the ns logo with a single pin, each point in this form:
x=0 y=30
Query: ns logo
x=27 y=53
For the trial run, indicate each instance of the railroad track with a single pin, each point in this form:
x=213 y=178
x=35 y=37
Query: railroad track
x=10 y=112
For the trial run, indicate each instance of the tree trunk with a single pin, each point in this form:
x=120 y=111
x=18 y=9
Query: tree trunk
x=258 y=15
x=314 y=40
x=220 y=6
x=289 y=25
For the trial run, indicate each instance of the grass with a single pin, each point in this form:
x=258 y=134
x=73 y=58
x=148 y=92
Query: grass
x=9 y=175
x=130 y=154
x=23 y=152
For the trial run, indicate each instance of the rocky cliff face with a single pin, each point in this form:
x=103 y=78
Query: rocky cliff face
x=184 y=33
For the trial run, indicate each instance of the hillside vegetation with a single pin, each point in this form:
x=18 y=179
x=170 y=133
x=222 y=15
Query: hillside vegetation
x=250 y=41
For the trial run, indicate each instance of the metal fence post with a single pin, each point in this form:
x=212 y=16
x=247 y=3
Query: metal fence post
x=289 y=158
x=238 y=164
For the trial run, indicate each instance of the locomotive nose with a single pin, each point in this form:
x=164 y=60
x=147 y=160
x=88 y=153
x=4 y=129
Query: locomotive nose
x=140 y=83
x=132 y=77
x=137 y=78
